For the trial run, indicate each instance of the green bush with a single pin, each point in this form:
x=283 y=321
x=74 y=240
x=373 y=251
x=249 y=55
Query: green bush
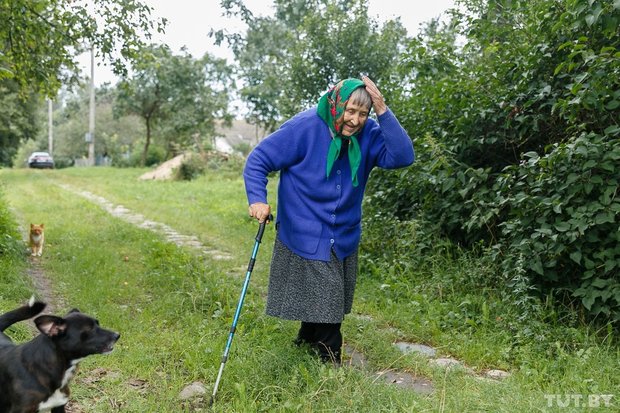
x=11 y=244
x=563 y=218
x=20 y=160
x=195 y=165
x=14 y=288
x=191 y=168
x=516 y=140
x=63 y=162
x=244 y=148
x=155 y=156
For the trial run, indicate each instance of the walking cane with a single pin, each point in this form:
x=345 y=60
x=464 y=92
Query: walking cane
x=259 y=237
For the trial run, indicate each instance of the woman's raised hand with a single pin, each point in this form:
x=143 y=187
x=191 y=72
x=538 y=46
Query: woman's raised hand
x=377 y=98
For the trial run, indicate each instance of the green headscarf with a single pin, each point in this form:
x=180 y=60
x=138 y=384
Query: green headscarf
x=331 y=106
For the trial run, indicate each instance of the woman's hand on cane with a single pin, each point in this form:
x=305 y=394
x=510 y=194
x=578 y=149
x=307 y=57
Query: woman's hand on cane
x=260 y=211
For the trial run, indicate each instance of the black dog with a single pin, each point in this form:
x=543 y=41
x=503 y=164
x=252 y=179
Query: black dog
x=34 y=376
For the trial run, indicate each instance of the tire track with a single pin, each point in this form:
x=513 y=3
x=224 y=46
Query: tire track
x=140 y=221
x=40 y=281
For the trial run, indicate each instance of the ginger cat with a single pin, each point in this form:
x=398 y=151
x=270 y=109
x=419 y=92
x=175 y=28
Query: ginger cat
x=37 y=238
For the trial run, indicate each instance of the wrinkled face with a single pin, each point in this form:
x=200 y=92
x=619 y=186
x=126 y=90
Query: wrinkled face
x=353 y=118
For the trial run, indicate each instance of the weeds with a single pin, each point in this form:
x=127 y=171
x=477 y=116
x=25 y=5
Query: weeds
x=173 y=308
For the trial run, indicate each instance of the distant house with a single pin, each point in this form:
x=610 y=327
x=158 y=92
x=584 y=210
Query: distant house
x=239 y=134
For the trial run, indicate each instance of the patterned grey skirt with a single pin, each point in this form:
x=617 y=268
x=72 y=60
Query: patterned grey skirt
x=310 y=290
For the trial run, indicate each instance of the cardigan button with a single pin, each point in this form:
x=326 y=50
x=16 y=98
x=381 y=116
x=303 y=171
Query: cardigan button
x=332 y=241
x=338 y=171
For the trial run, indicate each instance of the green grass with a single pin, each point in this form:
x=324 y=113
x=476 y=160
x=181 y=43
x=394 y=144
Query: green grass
x=173 y=308
x=14 y=286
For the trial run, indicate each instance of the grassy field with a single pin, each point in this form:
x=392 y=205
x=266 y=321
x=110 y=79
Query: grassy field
x=173 y=308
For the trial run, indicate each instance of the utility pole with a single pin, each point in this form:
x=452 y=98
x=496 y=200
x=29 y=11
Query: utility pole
x=50 y=132
x=91 y=118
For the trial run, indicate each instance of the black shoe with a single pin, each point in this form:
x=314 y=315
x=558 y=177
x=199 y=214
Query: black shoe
x=334 y=360
x=329 y=356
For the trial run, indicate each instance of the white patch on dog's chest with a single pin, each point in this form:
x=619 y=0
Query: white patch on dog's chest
x=70 y=372
x=59 y=398
x=55 y=400
x=36 y=238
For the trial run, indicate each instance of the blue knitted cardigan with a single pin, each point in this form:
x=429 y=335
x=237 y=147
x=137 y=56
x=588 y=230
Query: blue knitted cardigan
x=315 y=213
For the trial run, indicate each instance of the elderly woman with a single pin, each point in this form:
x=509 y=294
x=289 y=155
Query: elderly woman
x=324 y=155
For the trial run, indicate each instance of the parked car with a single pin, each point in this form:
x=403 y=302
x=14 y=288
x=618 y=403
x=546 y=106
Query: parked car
x=41 y=160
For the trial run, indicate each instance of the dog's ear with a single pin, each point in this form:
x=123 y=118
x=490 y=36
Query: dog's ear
x=50 y=325
x=31 y=225
x=42 y=226
x=75 y=310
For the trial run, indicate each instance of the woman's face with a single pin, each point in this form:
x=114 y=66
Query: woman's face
x=353 y=119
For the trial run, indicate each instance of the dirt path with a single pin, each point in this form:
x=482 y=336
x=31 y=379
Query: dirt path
x=40 y=280
x=43 y=286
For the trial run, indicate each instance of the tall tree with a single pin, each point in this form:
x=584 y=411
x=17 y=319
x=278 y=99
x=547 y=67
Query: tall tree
x=40 y=39
x=288 y=60
x=118 y=135
x=17 y=119
x=180 y=96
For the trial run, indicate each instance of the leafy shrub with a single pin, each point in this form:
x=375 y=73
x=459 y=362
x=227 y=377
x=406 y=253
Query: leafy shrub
x=14 y=288
x=10 y=240
x=20 y=160
x=516 y=138
x=244 y=148
x=191 y=168
x=195 y=165
x=564 y=219
x=222 y=162
x=155 y=156
x=63 y=162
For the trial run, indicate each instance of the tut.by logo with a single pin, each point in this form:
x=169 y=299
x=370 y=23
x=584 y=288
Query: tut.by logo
x=579 y=400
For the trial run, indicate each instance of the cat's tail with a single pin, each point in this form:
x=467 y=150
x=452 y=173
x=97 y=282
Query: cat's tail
x=22 y=313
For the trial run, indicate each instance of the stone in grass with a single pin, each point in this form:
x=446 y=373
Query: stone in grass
x=446 y=362
x=450 y=363
x=497 y=374
x=354 y=358
x=408 y=348
x=407 y=381
x=192 y=390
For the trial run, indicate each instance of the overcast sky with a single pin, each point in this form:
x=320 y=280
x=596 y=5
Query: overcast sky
x=189 y=23
x=191 y=20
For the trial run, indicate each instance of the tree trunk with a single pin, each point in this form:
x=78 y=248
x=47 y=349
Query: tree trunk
x=147 y=143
